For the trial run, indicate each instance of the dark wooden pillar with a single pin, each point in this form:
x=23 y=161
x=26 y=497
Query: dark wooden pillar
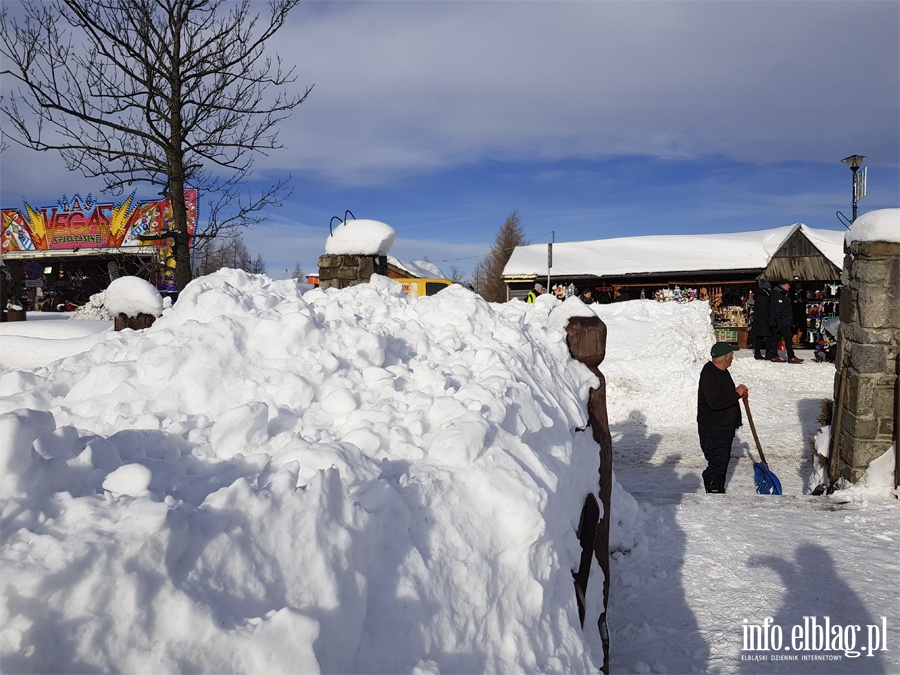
x=586 y=338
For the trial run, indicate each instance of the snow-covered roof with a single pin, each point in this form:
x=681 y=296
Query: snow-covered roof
x=669 y=253
x=418 y=268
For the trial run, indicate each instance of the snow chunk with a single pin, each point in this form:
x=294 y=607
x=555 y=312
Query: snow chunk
x=131 y=479
x=877 y=482
x=132 y=296
x=880 y=225
x=94 y=309
x=361 y=237
x=240 y=430
x=18 y=431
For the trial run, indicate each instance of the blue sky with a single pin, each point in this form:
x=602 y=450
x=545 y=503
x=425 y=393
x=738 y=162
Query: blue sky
x=590 y=119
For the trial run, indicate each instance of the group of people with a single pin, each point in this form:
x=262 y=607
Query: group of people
x=773 y=321
x=586 y=296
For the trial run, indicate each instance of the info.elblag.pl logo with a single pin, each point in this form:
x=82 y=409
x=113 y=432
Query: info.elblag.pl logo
x=815 y=639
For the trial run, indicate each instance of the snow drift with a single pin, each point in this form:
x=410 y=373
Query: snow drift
x=265 y=481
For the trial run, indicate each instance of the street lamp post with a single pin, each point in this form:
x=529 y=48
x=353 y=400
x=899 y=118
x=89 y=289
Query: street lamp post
x=854 y=162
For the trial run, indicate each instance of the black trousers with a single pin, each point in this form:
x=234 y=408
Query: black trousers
x=717 y=451
x=787 y=334
x=766 y=342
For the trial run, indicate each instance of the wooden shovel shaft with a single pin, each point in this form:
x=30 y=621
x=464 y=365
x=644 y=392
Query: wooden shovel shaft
x=759 y=449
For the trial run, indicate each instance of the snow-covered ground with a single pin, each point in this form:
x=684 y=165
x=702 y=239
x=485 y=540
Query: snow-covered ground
x=354 y=481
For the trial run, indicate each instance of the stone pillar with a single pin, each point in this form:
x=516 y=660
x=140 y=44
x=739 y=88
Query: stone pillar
x=139 y=322
x=341 y=271
x=868 y=347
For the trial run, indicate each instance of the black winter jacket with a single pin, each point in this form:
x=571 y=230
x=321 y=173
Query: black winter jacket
x=761 y=305
x=781 y=314
x=718 y=409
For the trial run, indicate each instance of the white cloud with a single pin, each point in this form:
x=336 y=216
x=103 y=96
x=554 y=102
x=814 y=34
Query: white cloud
x=410 y=87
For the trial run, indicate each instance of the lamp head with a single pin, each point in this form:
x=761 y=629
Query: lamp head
x=854 y=161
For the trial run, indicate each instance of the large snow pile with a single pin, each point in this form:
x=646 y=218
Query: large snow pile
x=347 y=480
x=655 y=351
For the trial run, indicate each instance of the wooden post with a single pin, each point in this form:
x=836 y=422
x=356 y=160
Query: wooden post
x=833 y=457
x=586 y=338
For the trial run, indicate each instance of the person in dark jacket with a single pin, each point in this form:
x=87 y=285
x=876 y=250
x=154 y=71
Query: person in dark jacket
x=761 y=330
x=781 y=316
x=718 y=415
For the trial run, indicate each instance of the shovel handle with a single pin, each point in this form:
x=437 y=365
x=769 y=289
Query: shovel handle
x=759 y=449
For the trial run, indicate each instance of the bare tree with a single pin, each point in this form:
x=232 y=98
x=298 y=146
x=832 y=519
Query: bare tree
x=488 y=274
x=174 y=93
x=298 y=273
x=457 y=275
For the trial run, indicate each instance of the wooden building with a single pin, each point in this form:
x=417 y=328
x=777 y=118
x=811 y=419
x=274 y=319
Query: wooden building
x=721 y=268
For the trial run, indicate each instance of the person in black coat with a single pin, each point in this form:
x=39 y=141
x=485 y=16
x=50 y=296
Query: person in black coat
x=761 y=330
x=781 y=317
x=718 y=415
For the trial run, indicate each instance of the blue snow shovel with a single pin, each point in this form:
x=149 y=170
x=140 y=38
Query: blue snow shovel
x=767 y=483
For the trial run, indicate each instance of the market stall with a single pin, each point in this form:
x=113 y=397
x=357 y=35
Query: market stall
x=56 y=257
x=719 y=268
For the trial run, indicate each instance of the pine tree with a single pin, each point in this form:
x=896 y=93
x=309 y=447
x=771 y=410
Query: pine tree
x=489 y=272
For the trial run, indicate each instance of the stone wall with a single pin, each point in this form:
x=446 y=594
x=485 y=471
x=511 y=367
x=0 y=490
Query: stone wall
x=868 y=347
x=341 y=271
x=139 y=322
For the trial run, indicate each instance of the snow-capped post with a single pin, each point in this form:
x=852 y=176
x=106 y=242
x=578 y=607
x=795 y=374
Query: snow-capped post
x=868 y=343
x=134 y=302
x=586 y=339
x=354 y=251
x=14 y=312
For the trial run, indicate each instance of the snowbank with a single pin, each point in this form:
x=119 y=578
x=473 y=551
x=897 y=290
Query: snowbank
x=47 y=337
x=654 y=354
x=265 y=481
x=877 y=483
x=878 y=480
